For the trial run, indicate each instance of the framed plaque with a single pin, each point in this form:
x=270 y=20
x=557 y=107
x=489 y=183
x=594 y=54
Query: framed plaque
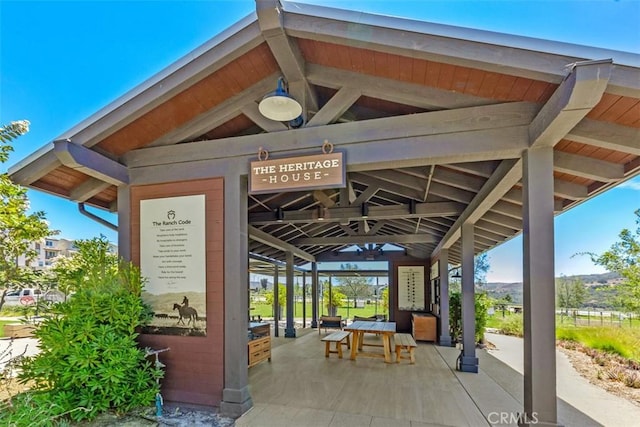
x=411 y=288
x=173 y=262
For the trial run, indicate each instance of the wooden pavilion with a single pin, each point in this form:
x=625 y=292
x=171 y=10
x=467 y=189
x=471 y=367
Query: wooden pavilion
x=453 y=141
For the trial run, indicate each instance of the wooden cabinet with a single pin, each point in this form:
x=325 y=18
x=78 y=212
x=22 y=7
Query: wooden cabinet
x=259 y=342
x=259 y=350
x=423 y=327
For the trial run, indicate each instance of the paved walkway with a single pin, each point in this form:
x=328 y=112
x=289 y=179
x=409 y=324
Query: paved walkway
x=573 y=390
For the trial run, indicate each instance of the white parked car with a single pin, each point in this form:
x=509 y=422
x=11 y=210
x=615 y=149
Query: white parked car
x=24 y=296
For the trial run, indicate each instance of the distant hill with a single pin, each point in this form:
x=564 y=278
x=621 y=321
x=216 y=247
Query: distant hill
x=596 y=283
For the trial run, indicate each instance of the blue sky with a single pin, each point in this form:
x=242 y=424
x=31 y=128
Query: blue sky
x=60 y=62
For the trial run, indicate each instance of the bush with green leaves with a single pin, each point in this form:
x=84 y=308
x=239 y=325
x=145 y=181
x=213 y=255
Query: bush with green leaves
x=482 y=304
x=89 y=360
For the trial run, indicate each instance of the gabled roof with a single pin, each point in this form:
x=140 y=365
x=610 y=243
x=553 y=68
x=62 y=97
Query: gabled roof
x=434 y=119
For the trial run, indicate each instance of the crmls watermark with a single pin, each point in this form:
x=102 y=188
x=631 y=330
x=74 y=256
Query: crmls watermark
x=511 y=418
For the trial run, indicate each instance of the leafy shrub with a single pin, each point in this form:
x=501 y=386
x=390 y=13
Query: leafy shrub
x=89 y=361
x=482 y=304
x=513 y=325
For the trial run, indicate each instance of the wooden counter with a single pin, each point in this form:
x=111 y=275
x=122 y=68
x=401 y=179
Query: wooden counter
x=423 y=327
x=259 y=343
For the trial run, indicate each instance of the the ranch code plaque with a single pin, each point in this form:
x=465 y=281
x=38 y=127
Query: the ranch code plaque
x=297 y=173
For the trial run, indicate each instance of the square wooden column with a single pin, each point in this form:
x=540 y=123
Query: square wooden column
x=290 y=330
x=314 y=295
x=236 y=399
x=469 y=361
x=445 y=334
x=540 y=402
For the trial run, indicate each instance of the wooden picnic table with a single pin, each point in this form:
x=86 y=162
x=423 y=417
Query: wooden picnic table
x=359 y=328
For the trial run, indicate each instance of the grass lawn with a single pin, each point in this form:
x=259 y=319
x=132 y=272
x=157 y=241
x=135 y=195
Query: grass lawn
x=611 y=339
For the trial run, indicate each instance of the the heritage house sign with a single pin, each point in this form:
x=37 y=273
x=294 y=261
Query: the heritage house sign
x=298 y=173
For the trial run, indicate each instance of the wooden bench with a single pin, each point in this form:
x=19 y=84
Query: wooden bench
x=330 y=322
x=338 y=338
x=404 y=342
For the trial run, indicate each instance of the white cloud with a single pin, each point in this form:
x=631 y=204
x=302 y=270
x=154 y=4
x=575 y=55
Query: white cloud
x=632 y=185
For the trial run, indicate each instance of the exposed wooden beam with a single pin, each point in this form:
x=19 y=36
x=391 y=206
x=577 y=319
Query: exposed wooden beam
x=217 y=116
x=503 y=220
x=35 y=167
x=467 y=134
x=367 y=194
x=91 y=163
x=338 y=214
x=570 y=190
x=581 y=90
x=335 y=107
x=286 y=52
x=251 y=111
x=505 y=176
x=323 y=198
x=587 y=167
x=218 y=52
x=88 y=189
x=269 y=240
x=392 y=90
x=361 y=240
x=606 y=135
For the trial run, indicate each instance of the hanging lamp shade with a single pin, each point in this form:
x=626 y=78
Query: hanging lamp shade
x=279 y=105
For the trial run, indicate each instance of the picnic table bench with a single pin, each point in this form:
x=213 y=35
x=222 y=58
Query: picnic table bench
x=340 y=338
x=404 y=342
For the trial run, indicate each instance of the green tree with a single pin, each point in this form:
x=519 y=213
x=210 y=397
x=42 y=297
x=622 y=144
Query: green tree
x=481 y=268
x=624 y=258
x=354 y=286
x=18 y=228
x=336 y=300
x=282 y=297
x=78 y=270
x=570 y=293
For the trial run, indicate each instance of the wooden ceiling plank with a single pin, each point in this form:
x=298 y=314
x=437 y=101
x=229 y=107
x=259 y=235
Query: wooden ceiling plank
x=393 y=90
x=269 y=240
x=459 y=50
x=217 y=116
x=586 y=167
x=581 y=90
x=607 y=135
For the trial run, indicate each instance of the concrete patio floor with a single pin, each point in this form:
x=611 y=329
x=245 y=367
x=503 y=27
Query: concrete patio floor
x=300 y=387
